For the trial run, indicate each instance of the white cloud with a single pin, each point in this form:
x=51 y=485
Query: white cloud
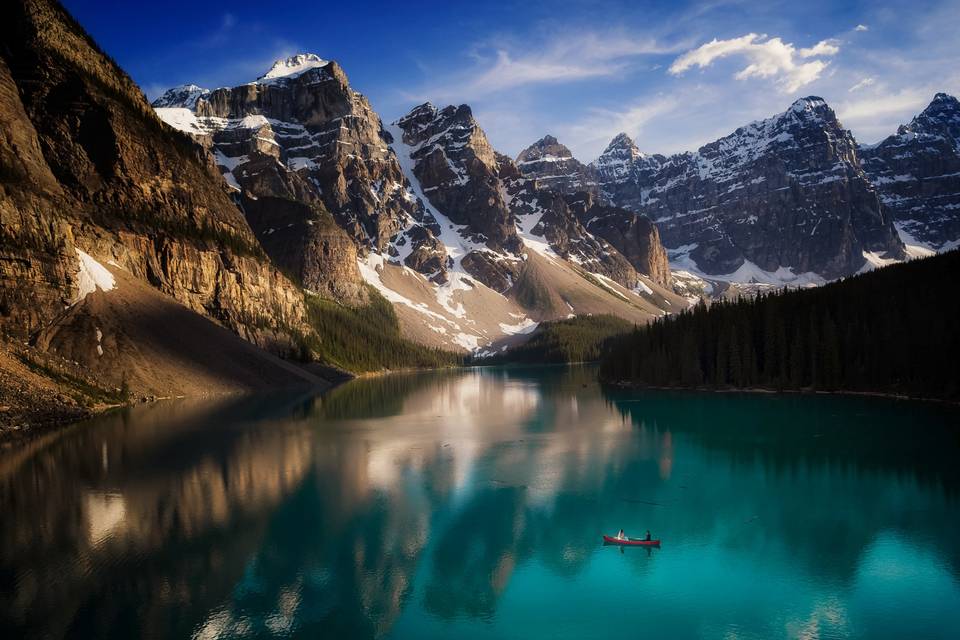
x=822 y=48
x=863 y=84
x=509 y=71
x=768 y=58
x=861 y=27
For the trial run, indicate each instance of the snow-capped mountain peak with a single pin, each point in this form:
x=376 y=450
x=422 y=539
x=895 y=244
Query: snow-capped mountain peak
x=799 y=165
x=621 y=141
x=620 y=160
x=546 y=148
x=810 y=103
x=917 y=173
x=185 y=97
x=941 y=116
x=293 y=66
x=554 y=167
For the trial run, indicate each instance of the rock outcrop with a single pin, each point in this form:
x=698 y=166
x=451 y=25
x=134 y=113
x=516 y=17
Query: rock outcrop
x=917 y=172
x=786 y=194
x=633 y=235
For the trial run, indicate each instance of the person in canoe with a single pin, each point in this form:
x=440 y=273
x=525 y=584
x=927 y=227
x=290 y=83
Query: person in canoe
x=621 y=535
x=648 y=535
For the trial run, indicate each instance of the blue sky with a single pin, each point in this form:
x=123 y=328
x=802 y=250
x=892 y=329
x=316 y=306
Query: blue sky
x=673 y=75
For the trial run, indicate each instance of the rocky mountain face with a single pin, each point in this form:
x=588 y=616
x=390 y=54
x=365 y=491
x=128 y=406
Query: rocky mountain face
x=505 y=231
x=457 y=169
x=507 y=202
x=553 y=167
x=633 y=235
x=310 y=159
x=622 y=169
x=549 y=166
x=93 y=185
x=917 y=172
x=424 y=210
x=545 y=213
x=786 y=197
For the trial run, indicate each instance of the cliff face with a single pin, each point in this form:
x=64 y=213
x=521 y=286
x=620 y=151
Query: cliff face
x=787 y=192
x=917 y=172
x=633 y=235
x=87 y=166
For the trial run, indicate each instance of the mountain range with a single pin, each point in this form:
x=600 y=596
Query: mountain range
x=471 y=251
x=790 y=200
x=214 y=239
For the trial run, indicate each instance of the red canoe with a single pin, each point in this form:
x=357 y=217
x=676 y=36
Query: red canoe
x=631 y=542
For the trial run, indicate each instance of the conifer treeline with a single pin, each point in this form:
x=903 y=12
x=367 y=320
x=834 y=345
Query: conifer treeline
x=579 y=339
x=366 y=338
x=893 y=330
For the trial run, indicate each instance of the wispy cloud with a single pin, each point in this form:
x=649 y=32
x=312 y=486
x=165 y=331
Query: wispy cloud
x=868 y=110
x=564 y=57
x=863 y=84
x=861 y=27
x=767 y=57
x=592 y=133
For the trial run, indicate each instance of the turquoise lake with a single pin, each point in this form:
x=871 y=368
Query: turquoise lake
x=471 y=504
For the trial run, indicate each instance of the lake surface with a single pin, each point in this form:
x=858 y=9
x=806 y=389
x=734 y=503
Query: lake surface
x=471 y=505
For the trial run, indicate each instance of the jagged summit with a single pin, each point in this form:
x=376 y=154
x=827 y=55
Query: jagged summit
x=553 y=167
x=941 y=115
x=293 y=66
x=812 y=109
x=620 y=141
x=810 y=102
x=786 y=193
x=546 y=148
x=917 y=173
x=618 y=165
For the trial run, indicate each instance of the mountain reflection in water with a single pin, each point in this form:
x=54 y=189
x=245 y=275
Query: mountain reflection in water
x=471 y=503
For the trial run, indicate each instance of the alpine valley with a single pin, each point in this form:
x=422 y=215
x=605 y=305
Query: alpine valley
x=243 y=237
x=340 y=338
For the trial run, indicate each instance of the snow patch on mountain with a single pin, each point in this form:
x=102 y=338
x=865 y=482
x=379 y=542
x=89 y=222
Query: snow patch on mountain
x=292 y=67
x=182 y=119
x=91 y=275
x=915 y=248
x=747 y=273
x=450 y=295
